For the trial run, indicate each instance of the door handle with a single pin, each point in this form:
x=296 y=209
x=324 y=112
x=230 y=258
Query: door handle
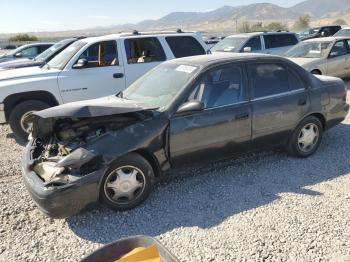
x=118 y=75
x=242 y=116
x=302 y=101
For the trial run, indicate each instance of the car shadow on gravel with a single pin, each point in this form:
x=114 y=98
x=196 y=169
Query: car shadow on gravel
x=206 y=196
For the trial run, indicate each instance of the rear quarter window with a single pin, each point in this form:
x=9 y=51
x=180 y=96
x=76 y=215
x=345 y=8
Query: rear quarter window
x=183 y=46
x=281 y=40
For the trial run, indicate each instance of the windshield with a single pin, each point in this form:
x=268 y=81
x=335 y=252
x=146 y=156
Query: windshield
x=52 y=50
x=309 y=50
x=343 y=32
x=161 y=85
x=15 y=51
x=63 y=58
x=229 y=44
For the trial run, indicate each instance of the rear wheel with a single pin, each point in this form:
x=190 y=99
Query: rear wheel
x=306 y=138
x=128 y=183
x=21 y=117
x=316 y=72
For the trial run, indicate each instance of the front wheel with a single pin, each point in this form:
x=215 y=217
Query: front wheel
x=128 y=183
x=21 y=117
x=306 y=138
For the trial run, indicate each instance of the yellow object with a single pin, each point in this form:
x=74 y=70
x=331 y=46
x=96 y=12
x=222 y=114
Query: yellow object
x=142 y=254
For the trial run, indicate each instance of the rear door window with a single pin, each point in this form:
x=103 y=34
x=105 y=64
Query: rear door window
x=267 y=79
x=280 y=40
x=254 y=43
x=144 y=50
x=295 y=82
x=183 y=46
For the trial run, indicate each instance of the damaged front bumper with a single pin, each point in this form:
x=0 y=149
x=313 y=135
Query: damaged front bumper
x=63 y=200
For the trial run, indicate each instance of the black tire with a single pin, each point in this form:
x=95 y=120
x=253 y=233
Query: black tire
x=294 y=147
x=130 y=160
x=19 y=111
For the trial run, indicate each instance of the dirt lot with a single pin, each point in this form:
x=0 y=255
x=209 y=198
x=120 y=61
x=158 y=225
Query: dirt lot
x=266 y=206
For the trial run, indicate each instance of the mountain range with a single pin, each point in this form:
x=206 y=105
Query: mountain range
x=226 y=18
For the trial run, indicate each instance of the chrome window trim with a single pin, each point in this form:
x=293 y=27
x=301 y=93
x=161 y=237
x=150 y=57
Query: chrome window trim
x=229 y=105
x=278 y=95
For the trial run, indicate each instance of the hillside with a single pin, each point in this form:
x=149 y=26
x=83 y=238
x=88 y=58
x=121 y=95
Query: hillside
x=226 y=18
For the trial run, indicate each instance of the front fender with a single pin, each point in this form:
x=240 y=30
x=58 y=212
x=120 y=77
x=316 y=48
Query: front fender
x=24 y=85
x=149 y=134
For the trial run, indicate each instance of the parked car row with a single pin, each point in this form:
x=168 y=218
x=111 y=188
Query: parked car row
x=29 y=51
x=89 y=68
x=158 y=102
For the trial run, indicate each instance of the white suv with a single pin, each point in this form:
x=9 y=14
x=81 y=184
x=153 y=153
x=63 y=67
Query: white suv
x=89 y=68
x=260 y=42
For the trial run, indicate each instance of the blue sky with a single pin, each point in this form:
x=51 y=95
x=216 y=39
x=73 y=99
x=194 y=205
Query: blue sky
x=41 y=15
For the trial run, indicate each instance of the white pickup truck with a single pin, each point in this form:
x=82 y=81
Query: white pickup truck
x=89 y=68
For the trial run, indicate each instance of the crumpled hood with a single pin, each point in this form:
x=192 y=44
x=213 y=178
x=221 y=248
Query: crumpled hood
x=110 y=105
x=100 y=109
x=27 y=72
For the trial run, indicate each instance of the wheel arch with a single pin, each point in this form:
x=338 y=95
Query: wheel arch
x=12 y=100
x=150 y=157
x=317 y=71
x=320 y=116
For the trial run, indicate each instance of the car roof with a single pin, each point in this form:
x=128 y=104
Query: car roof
x=207 y=60
x=131 y=35
x=261 y=33
x=327 y=39
x=38 y=44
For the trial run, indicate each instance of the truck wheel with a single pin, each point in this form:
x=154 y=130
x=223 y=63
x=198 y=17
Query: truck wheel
x=127 y=183
x=305 y=138
x=20 y=117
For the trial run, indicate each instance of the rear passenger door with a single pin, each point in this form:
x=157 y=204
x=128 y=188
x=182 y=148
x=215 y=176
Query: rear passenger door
x=222 y=128
x=141 y=54
x=279 y=101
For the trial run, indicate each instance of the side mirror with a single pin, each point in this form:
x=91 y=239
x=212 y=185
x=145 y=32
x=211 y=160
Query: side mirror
x=333 y=54
x=191 y=106
x=82 y=63
x=247 y=49
x=18 y=55
x=323 y=34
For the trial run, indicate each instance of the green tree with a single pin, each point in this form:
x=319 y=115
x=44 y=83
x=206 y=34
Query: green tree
x=302 y=22
x=339 y=21
x=244 y=28
x=23 y=38
x=275 y=26
x=257 y=27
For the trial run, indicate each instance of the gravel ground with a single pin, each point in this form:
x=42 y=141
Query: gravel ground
x=264 y=206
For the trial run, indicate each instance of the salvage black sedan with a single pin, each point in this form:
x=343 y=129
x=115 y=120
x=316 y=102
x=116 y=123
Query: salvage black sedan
x=111 y=150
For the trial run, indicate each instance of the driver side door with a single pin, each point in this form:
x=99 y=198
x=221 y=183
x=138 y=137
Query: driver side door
x=338 y=59
x=102 y=76
x=224 y=124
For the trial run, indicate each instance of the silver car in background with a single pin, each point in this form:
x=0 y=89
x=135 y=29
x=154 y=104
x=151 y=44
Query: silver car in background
x=323 y=56
x=259 y=42
x=345 y=31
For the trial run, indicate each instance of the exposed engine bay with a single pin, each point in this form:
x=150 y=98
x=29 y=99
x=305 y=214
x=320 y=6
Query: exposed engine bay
x=59 y=155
